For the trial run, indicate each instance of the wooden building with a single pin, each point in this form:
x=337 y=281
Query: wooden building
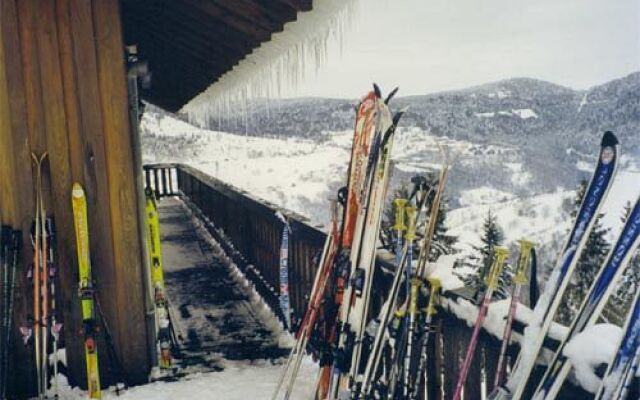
x=63 y=90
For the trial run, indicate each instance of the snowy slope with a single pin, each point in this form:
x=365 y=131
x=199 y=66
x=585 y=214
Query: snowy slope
x=301 y=174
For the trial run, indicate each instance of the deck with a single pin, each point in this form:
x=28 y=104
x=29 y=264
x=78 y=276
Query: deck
x=216 y=316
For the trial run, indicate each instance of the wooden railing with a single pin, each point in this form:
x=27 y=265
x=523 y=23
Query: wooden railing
x=250 y=233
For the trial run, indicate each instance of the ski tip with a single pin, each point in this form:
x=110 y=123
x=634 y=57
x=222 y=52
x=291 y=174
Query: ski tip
x=398 y=115
x=390 y=95
x=376 y=90
x=77 y=191
x=609 y=139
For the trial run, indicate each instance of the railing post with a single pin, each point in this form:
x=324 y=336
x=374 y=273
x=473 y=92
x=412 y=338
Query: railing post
x=163 y=171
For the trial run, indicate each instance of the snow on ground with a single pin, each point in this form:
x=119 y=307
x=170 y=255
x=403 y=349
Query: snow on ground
x=238 y=381
x=531 y=218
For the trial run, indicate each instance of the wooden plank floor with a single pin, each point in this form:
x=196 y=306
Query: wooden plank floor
x=213 y=313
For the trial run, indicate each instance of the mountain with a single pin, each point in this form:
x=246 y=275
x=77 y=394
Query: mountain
x=514 y=111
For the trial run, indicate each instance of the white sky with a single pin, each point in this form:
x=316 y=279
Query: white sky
x=426 y=46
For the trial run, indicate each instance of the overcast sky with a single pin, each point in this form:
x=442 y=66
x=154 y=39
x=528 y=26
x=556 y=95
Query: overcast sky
x=426 y=46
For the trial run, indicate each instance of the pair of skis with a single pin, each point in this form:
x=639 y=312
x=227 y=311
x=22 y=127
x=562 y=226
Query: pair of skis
x=623 y=369
x=355 y=307
x=549 y=302
x=86 y=290
x=164 y=329
x=595 y=300
x=43 y=274
x=10 y=244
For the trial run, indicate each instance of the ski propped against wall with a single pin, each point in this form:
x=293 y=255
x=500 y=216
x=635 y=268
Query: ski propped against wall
x=555 y=287
x=86 y=290
x=595 y=300
x=163 y=320
x=285 y=302
x=617 y=383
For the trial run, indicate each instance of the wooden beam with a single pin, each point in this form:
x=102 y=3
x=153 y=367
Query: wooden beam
x=129 y=291
x=225 y=17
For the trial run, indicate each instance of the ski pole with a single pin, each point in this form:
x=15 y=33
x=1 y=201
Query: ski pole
x=400 y=226
x=501 y=254
x=55 y=327
x=412 y=294
x=519 y=279
x=434 y=295
x=4 y=331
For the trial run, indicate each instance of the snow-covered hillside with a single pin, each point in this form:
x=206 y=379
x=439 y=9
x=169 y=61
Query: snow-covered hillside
x=301 y=174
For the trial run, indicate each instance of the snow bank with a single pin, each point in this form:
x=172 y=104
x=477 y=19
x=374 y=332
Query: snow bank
x=594 y=346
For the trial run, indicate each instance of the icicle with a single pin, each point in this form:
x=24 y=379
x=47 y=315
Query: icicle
x=277 y=65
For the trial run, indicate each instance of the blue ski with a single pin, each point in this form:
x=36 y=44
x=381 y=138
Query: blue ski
x=595 y=300
x=621 y=371
x=554 y=289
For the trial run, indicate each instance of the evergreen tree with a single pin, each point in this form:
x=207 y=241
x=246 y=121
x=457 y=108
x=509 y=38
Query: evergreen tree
x=492 y=236
x=593 y=255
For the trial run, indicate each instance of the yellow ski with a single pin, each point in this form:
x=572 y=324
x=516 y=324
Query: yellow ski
x=85 y=284
x=163 y=321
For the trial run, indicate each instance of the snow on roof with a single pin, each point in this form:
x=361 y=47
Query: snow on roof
x=278 y=64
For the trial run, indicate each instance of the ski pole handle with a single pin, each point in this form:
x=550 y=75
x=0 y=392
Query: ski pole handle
x=411 y=226
x=500 y=256
x=400 y=214
x=520 y=276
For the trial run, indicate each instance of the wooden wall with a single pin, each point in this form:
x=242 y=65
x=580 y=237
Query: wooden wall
x=63 y=90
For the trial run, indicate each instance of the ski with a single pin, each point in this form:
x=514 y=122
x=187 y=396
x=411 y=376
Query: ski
x=495 y=271
x=548 y=303
x=163 y=322
x=363 y=138
x=617 y=381
x=520 y=278
x=595 y=300
x=363 y=260
x=86 y=290
x=285 y=305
